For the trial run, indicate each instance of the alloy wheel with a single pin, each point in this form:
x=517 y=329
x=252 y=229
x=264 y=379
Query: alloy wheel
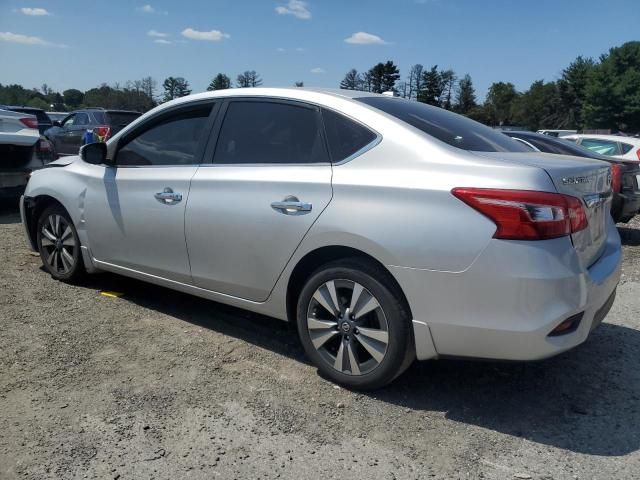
x=58 y=244
x=347 y=327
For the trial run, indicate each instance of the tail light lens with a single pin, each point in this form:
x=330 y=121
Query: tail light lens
x=616 y=177
x=638 y=154
x=103 y=132
x=526 y=215
x=29 y=122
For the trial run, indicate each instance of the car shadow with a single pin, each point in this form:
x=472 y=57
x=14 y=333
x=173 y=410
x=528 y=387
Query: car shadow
x=586 y=400
x=9 y=211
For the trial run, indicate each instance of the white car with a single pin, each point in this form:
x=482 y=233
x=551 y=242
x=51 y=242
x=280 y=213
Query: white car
x=22 y=149
x=627 y=148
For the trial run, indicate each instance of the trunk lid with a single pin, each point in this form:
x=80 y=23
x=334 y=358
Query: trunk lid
x=586 y=179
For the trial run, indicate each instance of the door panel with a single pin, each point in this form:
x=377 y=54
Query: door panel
x=129 y=227
x=238 y=243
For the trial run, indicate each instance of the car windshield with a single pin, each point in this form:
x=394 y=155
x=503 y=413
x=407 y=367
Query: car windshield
x=448 y=127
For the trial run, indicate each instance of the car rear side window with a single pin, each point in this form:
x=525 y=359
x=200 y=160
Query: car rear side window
x=448 y=127
x=603 y=147
x=172 y=141
x=626 y=147
x=120 y=119
x=345 y=137
x=81 y=119
x=271 y=133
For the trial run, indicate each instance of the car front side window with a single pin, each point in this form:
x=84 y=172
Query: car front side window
x=171 y=140
x=69 y=121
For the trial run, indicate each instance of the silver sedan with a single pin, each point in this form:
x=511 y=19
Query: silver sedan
x=385 y=229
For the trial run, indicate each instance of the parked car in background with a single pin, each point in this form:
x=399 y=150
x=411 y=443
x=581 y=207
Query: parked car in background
x=22 y=150
x=44 y=122
x=57 y=116
x=610 y=145
x=67 y=135
x=557 y=133
x=625 y=182
x=387 y=229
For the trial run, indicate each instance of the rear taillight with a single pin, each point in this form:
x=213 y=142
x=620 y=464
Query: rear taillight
x=29 y=122
x=638 y=154
x=103 y=132
x=526 y=215
x=616 y=177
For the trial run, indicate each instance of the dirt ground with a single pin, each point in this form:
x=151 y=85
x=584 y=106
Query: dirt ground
x=158 y=384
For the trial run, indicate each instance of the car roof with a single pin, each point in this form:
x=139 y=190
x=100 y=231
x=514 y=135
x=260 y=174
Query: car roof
x=614 y=138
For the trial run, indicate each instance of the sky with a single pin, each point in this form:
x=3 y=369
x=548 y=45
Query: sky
x=81 y=44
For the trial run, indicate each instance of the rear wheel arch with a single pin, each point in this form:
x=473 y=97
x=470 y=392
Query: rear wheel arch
x=315 y=259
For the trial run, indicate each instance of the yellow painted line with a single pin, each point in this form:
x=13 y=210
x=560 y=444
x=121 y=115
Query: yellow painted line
x=106 y=293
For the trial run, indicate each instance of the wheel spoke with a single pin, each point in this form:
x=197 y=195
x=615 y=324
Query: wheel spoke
x=320 y=338
x=339 y=363
x=58 y=261
x=331 y=287
x=326 y=301
x=376 y=351
x=48 y=234
x=369 y=306
x=374 y=333
x=51 y=257
x=52 y=225
x=315 y=324
x=66 y=234
x=67 y=259
x=45 y=242
x=355 y=295
x=353 y=362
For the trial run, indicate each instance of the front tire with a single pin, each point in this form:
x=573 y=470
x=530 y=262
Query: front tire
x=59 y=245
x=354 y=326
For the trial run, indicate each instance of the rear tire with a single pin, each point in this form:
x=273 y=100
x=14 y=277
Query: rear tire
x=59 y=245
x=354 y=326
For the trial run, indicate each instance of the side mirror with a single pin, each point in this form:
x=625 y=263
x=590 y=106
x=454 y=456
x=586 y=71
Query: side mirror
x=57 y=123
x=94 y=153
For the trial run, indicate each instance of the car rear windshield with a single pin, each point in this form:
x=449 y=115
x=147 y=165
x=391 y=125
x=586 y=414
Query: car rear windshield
x=557 y=145
x=448 y=127
x=121 y=119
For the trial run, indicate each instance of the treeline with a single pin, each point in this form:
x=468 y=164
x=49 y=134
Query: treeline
x=140 y=95
x=589 y=94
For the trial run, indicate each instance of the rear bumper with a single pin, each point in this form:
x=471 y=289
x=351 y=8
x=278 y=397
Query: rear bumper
x=506 y=304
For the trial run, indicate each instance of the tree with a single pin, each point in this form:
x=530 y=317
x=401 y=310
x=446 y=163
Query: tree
x=431 y=87
x=46 y=90
x=149 y=87
x=175 y=87
x=249 y=78
x=612 y=93
x=572 y=90
x=538 y=107
x=383 y=77
x=298 y=84
x=449 y=79
x=36 y=102
x=499 y=103
x=415 y=81
x=465 y=95
x=351 y=81
x=73 y=97
x=219 y=82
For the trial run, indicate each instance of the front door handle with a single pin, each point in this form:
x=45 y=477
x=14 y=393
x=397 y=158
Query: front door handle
x=291 y=206
x=168 y=197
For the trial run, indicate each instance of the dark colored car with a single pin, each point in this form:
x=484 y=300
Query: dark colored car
x=625 y=180
x=67 y=135
x=44 y=122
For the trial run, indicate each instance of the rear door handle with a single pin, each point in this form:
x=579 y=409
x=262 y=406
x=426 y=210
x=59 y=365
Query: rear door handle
x=168 y=196
x=292 y=206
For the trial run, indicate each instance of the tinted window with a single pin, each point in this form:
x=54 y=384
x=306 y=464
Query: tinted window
x=625 y=147
x=603 y=147
x=560 y=146
x=269 y=132
x=173 y=141
x=120 y=119
x=81 y=119
x=345 y=136
x=448 y=127
x=70 y=120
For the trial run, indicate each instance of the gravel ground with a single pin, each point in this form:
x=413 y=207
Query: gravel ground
x=158 y=384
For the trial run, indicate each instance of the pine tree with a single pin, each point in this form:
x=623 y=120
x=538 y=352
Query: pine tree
x=249 y=78
x=465 y=95
x=219 y=82
x=351 y=81
x=431 y=87
x=175 y=87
